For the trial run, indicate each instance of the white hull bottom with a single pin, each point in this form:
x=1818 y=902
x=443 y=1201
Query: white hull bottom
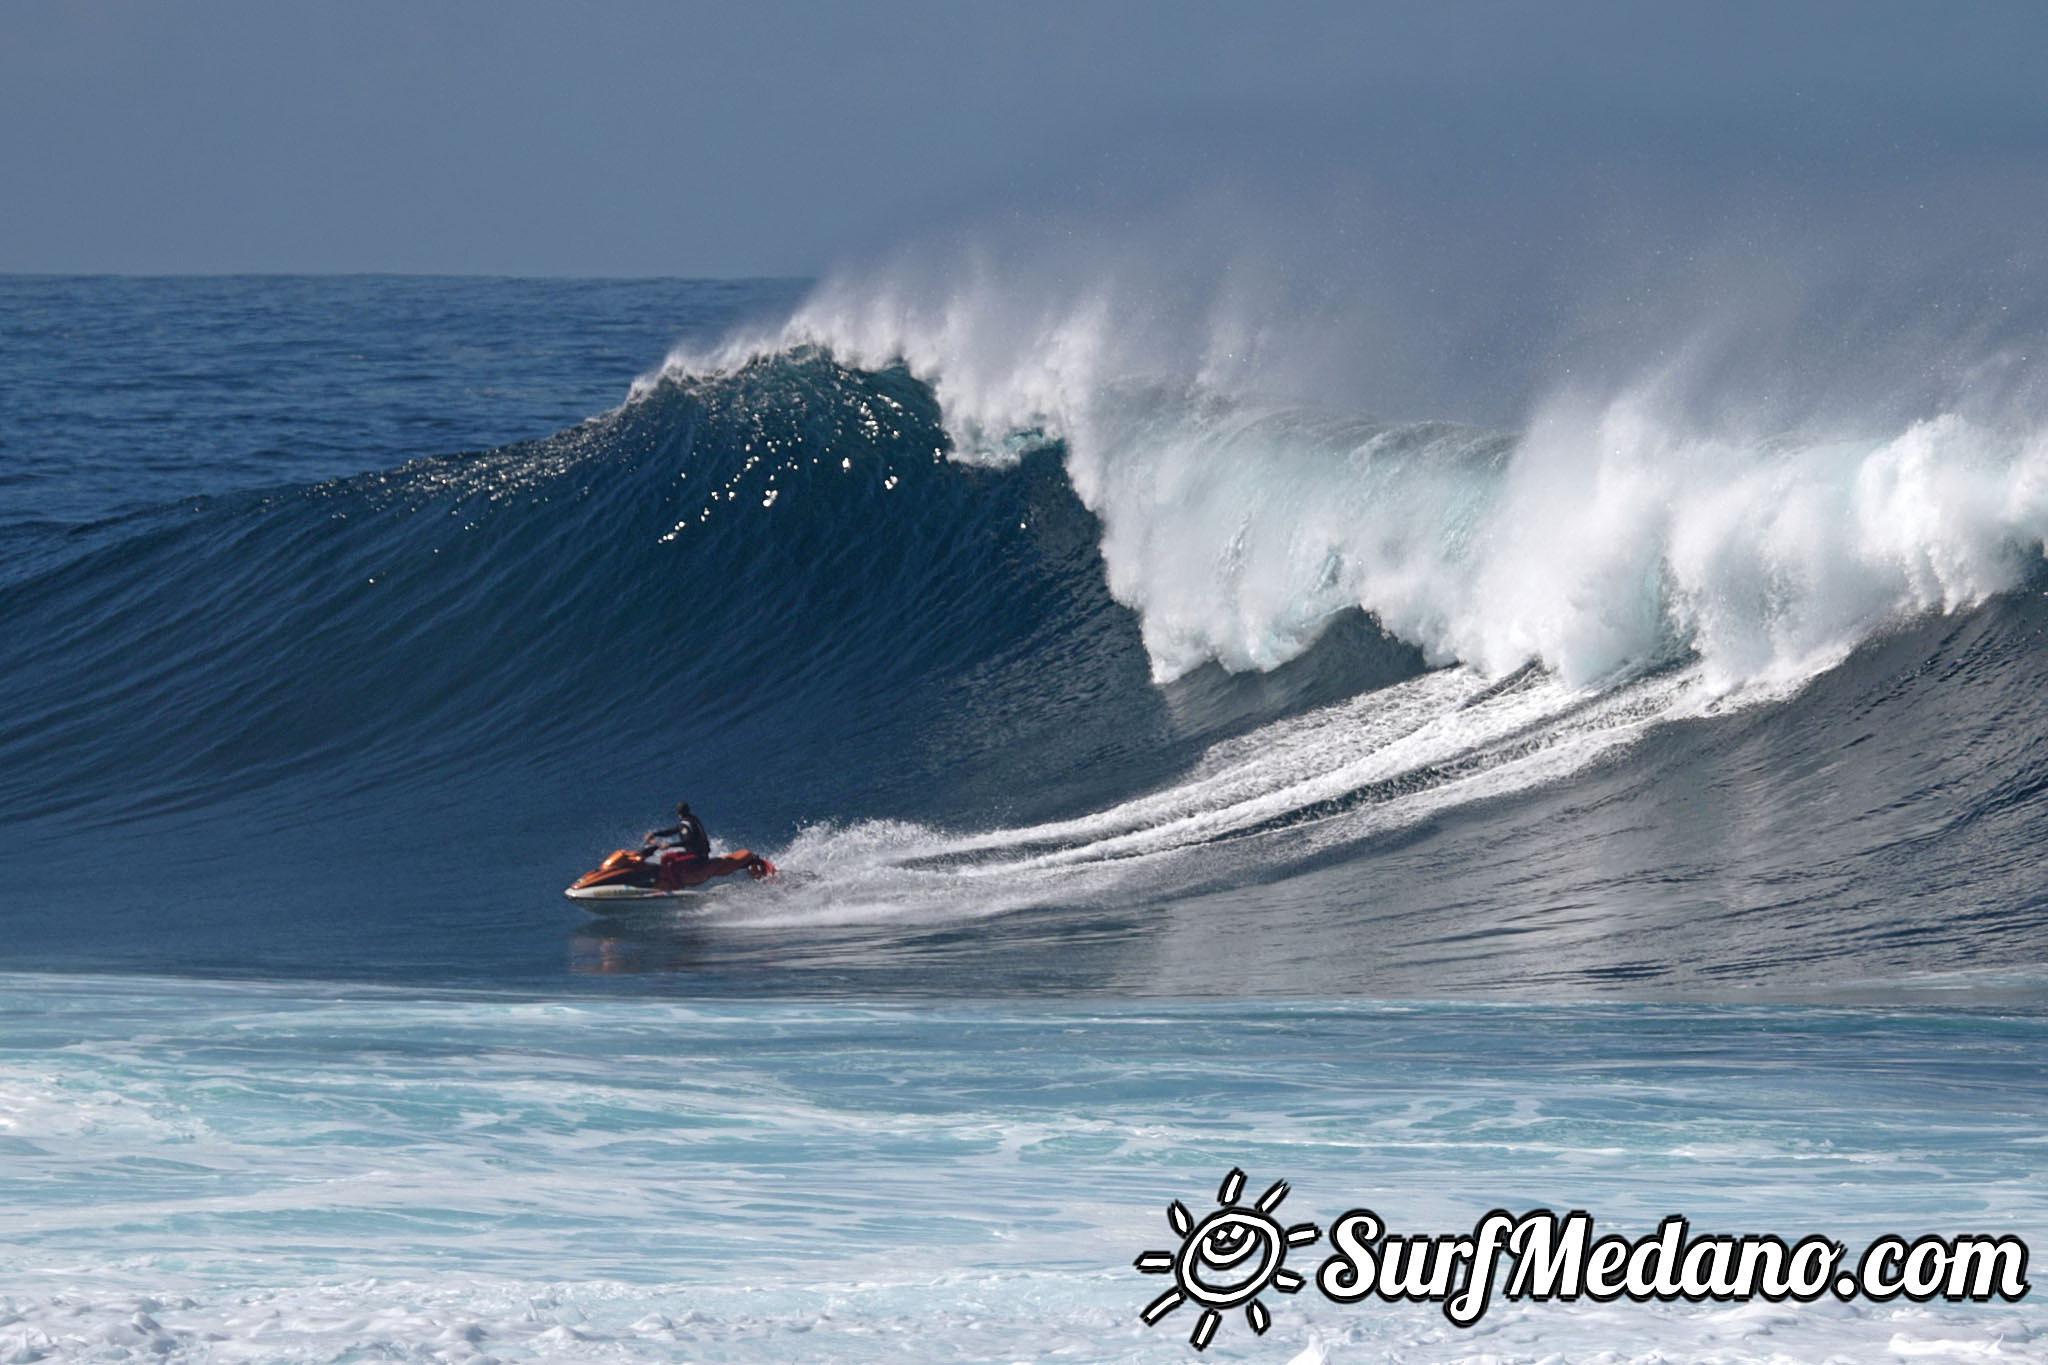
x=626 y=893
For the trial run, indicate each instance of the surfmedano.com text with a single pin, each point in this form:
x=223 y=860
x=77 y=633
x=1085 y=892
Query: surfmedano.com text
x=1540 y=1256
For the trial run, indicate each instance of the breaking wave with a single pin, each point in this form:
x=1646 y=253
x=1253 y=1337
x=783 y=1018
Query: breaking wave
x=1073 y=629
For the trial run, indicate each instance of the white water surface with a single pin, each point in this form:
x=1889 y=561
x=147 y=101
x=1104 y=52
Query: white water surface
x=264 y=1171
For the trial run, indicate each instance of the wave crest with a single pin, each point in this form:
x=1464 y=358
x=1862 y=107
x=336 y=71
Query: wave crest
x=1612 y=534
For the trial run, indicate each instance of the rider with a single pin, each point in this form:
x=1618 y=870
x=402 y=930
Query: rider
x=687 y=833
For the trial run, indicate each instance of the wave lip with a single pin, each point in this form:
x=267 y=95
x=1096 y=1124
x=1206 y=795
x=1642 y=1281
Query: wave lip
x=1610 y=536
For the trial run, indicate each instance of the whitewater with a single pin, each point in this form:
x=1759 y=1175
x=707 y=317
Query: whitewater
x=245 y=1171
x=1615 y=532
x=1175 y=765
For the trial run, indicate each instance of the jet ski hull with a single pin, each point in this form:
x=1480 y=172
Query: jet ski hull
x=649 y=874
x=628 y=893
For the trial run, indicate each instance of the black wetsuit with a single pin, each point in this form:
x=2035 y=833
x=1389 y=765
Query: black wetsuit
x=688 y=832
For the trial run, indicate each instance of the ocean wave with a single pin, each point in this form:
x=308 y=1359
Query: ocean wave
x=1615 y=532
x=1172 y=650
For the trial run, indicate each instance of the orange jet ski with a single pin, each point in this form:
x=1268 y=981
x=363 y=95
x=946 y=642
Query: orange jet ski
x=647 y=874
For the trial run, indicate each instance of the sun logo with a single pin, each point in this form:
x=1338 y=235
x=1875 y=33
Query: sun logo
x=1227 y=1259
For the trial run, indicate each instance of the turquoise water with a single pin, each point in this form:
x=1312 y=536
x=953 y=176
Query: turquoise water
x=291 y=1173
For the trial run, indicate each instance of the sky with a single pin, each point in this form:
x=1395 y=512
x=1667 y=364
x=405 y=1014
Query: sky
x=778 y=137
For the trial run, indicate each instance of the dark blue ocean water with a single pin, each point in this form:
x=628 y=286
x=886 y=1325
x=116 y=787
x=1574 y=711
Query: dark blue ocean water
x=1159 y=785
x=346 y=620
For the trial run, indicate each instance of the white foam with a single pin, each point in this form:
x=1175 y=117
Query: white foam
x=1004 y=1317
x=362 y=1173
x=1376 y=763
x=1611 y=535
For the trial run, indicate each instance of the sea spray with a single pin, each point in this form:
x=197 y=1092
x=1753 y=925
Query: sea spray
x=1605 y=539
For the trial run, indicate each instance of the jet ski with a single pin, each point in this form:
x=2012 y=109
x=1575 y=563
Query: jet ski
x=653 y=874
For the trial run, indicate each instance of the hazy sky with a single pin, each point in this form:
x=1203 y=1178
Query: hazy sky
x=518 y=137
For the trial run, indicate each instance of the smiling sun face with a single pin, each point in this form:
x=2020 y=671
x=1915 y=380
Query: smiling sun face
x=1227 y=1259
